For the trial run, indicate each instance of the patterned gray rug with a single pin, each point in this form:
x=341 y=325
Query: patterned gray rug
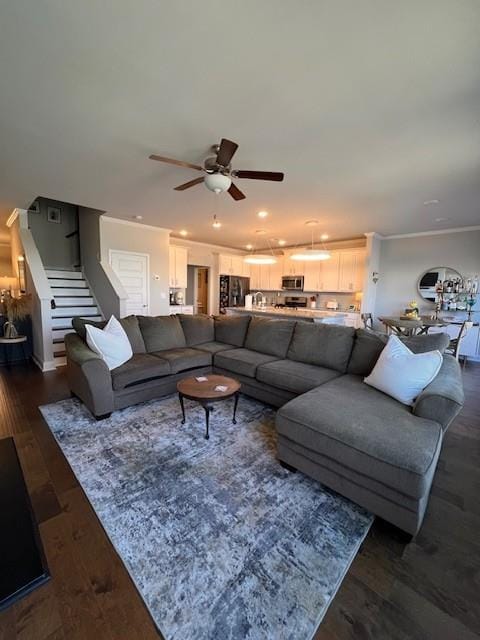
x=220 y=540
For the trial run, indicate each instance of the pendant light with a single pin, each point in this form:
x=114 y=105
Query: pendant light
x=310 y=253
x=261 y=258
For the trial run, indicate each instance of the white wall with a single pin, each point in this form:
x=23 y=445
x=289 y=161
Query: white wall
x=121 y=235
x=404 y=259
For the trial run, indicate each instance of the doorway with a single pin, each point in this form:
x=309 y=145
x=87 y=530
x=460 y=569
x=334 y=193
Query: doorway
x=132 y=271
x=201 y=291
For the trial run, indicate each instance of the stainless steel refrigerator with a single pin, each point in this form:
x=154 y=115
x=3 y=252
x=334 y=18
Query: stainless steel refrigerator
x=232 y=291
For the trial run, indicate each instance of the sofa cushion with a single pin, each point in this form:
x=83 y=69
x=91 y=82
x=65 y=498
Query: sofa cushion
x=197 y=329
x=367 y=431
x=161 y=333
x=185 y=358
x=231 y=329
x=139 y=368
x=269 y=336
x=325 y=345
x=297 y=377
x=129 y=324
x=368 y=346
x=79 y=325
x=214 y=347
x=242 y=361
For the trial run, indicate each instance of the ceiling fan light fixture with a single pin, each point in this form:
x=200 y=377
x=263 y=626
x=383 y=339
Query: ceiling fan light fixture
x=260 y=258
x=310 y=254
x=217 y=182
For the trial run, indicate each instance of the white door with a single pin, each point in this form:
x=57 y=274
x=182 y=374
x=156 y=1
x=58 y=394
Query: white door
x=132 y=271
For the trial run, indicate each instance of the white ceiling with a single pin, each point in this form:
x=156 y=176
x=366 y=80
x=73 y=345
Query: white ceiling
x=369 y=107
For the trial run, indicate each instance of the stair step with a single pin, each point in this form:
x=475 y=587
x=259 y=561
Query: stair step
x=70 y=312
x=59 y=354
x=60 y=292
x=65 y=323
x=56 y=283
x=65 y=301
x=59 y=273
x=60 y=333
x=60 y=361
x=59 y=348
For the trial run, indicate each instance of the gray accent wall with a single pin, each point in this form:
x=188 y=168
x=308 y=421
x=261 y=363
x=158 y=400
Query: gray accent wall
x=404 y=259
x=102 y=288
x=56 y=251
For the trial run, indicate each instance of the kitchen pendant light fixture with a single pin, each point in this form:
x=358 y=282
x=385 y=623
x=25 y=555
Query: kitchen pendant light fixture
x=310 y=253
x=260 y=258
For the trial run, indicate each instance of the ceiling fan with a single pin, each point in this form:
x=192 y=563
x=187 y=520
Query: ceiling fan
x=218 y=171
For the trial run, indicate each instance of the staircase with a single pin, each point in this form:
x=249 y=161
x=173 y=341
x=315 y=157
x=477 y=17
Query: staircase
x=72 y=298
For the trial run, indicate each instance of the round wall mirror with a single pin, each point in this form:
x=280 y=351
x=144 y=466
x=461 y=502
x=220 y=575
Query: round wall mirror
x=429 y=279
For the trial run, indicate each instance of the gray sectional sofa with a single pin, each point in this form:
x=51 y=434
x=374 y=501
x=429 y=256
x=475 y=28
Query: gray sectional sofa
x=331 y=425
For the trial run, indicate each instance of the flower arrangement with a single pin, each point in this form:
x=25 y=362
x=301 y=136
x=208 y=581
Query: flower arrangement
x=14 y=309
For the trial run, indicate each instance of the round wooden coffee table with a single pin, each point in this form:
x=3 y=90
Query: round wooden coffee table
x=206 y=393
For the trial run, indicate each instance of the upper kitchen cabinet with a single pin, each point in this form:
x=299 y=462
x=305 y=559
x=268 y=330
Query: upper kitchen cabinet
x=312 y=277
x=178 y=259
x=292 y=267
x=231 y=265
x=351 y=270
x=329 y=272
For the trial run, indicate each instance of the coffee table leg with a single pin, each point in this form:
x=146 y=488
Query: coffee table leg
x=207 y=420
x=235 y=404
x=180 y=397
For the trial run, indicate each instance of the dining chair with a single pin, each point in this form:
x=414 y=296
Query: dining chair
x=455 y=343
x=367 y=320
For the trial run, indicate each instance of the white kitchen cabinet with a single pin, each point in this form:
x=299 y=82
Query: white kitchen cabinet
x=225 y=265
x=181 y=308
x=347 y=271
x=177 y=262
x=254 y=277
x=312 y=276
x=292 y=267
x=231 y=265
x=329 y=272
x=276 y=273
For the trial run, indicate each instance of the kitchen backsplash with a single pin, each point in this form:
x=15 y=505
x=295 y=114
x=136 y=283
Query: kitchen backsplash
x=344 y=299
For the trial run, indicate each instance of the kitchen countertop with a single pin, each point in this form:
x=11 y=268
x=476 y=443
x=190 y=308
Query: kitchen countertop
x=296 y=313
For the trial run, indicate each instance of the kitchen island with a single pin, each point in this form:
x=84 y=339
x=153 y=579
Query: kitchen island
x=350 y=319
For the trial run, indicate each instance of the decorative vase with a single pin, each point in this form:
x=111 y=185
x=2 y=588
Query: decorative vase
x=9 y=330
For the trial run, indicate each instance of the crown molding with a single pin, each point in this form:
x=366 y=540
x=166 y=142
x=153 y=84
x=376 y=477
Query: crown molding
x=434 y=232
x=130 y=223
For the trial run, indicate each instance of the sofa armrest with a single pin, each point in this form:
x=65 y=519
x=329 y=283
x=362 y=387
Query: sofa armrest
x=88 y=376
x=443 y=399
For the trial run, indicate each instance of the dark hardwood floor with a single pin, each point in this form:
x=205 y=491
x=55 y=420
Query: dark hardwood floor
x=429 y=588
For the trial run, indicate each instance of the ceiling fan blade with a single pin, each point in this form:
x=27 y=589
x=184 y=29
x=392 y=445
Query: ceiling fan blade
x=187 y=185
x=259 y=175
x=236 y=193
x=179 y=163
x=226 y=151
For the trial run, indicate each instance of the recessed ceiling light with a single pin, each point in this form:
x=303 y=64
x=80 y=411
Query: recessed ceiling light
x=260 y=232
x=324 y=236
x=249 y=246
x=262 y=214
x=442 y=219
x=138 y=217
x=216 y=224
x=311 y=223
x=429 y=202
x=282 y=243
x=184 y=232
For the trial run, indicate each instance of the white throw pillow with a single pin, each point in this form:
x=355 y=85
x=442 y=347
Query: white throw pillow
x=402 y=374
x=111 y=343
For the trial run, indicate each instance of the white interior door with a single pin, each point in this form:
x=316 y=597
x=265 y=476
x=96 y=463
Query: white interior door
x=132 y=271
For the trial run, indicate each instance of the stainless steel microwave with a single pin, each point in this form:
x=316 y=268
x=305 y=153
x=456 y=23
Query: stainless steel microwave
x=292 y=283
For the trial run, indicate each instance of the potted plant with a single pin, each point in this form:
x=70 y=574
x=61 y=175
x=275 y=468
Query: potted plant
x=14 y=309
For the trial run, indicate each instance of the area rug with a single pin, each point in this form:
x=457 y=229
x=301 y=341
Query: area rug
x=220 y=540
